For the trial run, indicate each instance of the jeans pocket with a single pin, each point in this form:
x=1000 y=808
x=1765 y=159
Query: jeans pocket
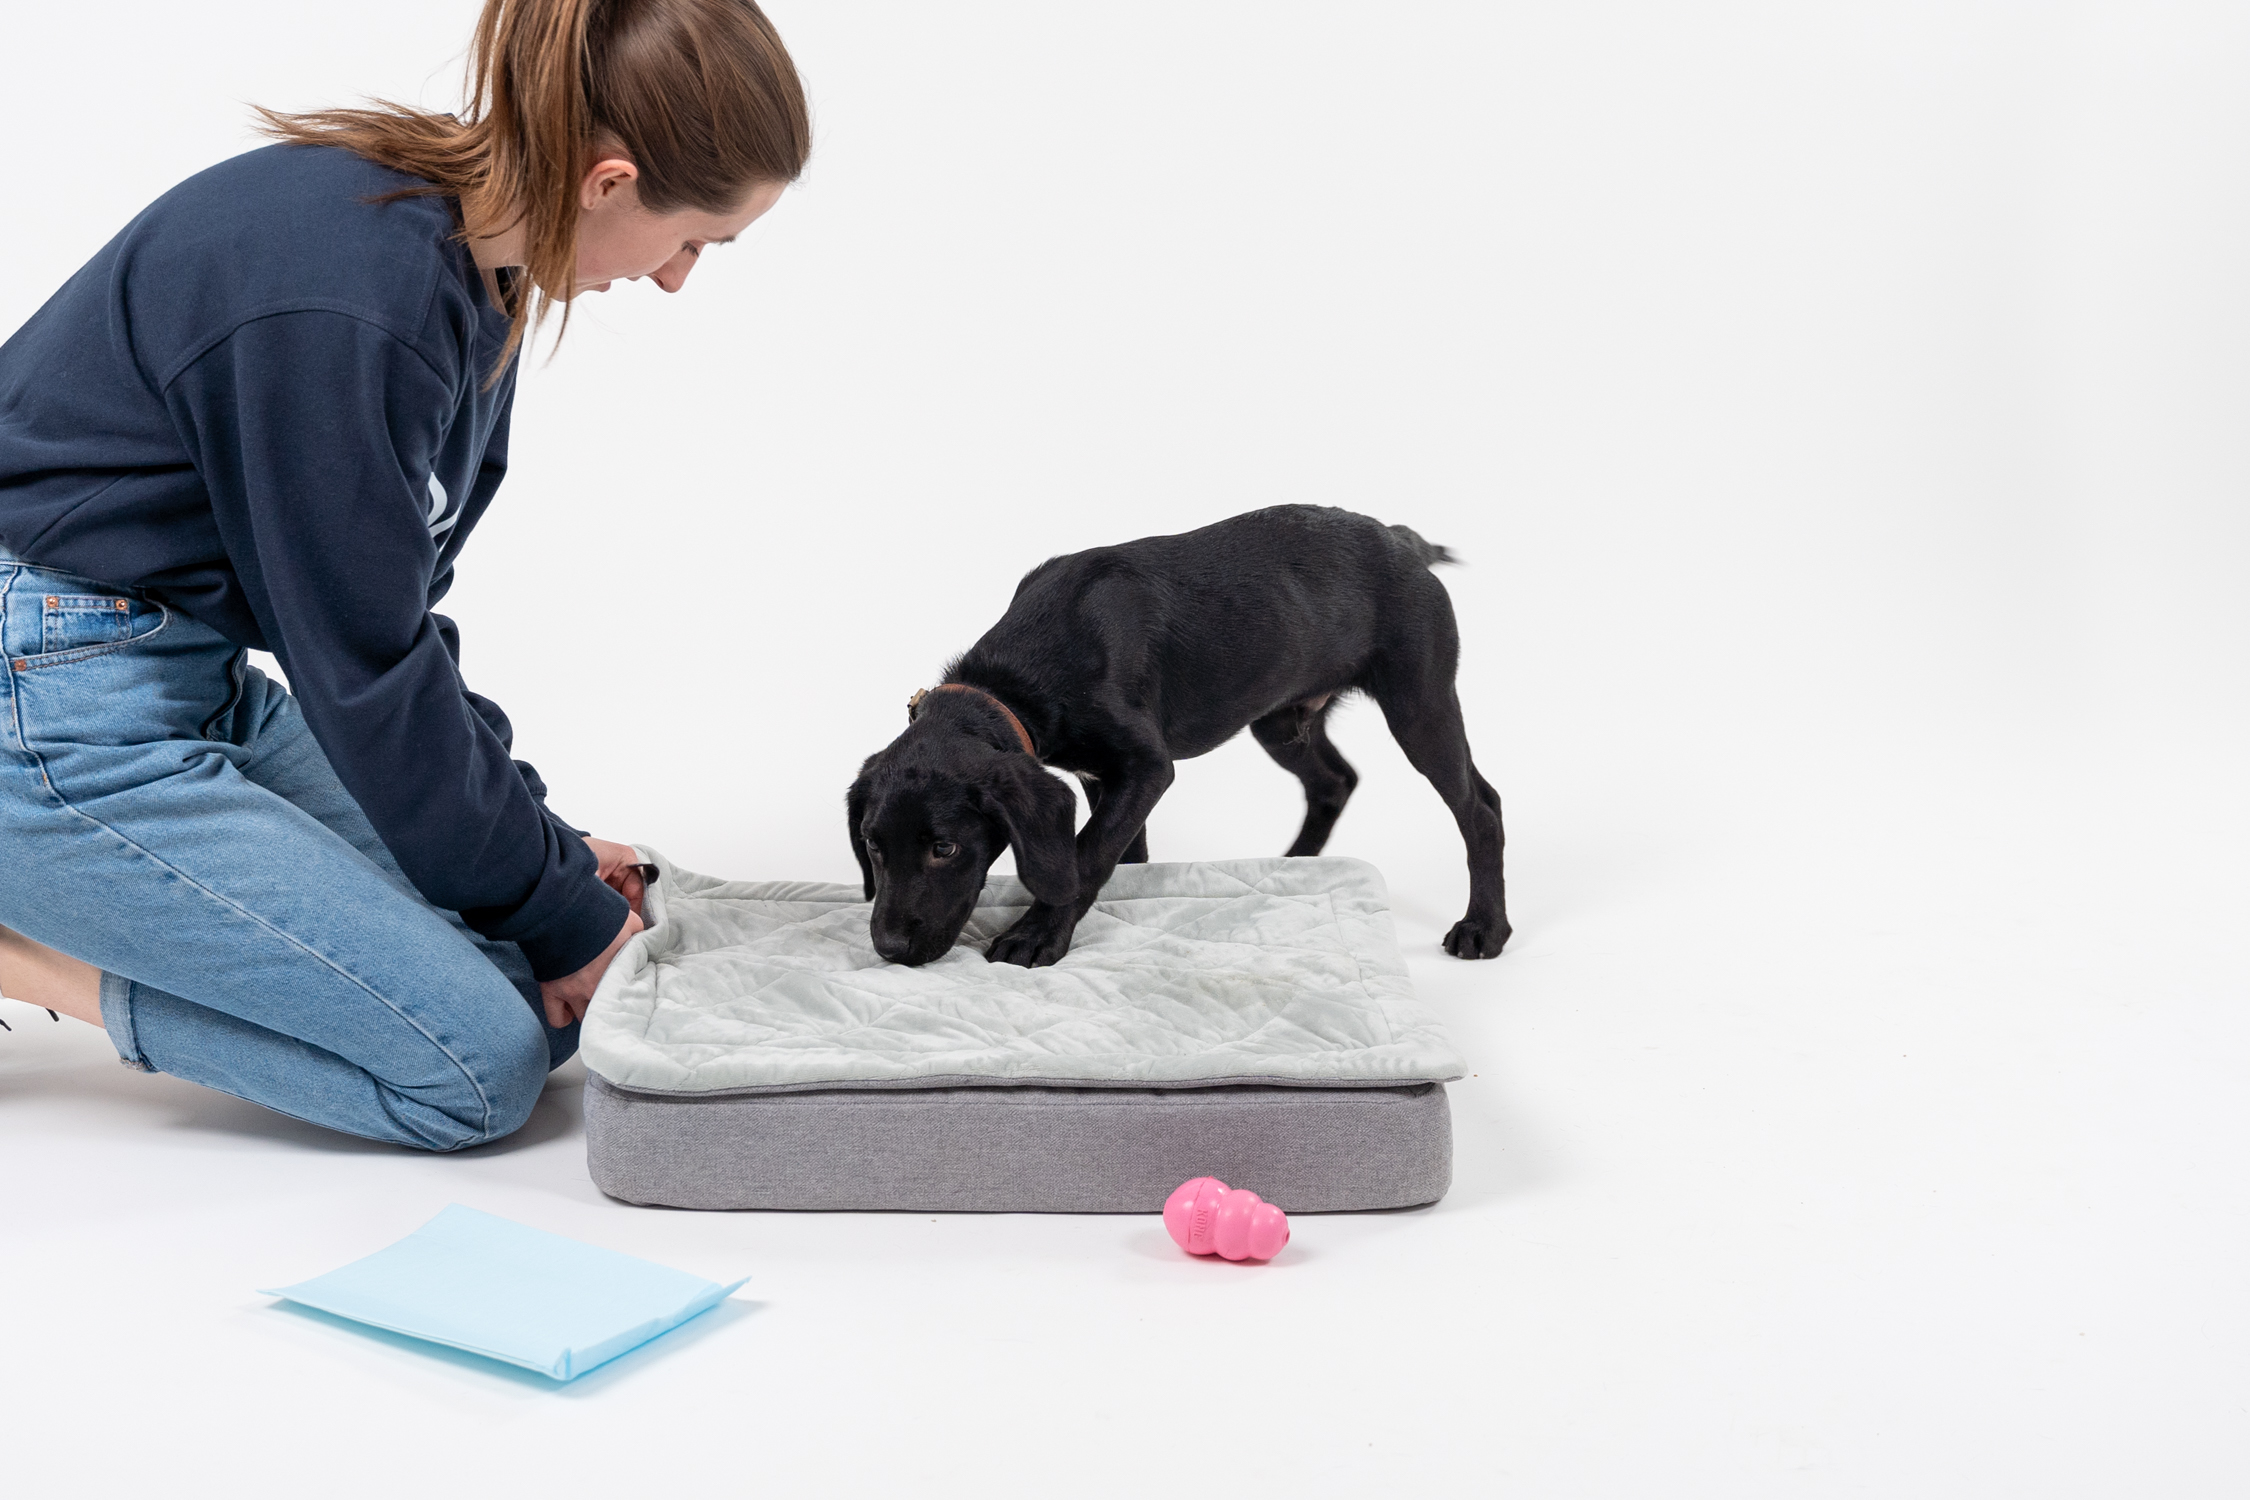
x=73 y=622
x=74 y=627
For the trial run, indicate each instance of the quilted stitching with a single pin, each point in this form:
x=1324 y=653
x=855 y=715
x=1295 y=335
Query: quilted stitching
x=1189 y=973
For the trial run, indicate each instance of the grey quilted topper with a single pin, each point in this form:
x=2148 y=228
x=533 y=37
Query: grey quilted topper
x=1277 y=971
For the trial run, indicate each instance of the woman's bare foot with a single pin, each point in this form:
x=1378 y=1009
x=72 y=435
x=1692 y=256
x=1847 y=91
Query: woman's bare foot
x=38 y=975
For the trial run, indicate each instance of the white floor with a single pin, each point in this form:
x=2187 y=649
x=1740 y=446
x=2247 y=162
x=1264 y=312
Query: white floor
x=1883 y=1143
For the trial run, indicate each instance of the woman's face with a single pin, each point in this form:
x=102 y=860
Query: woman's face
x=618 y=240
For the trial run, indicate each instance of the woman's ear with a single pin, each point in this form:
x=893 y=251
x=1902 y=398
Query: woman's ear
x=605 y=180
x=855 y=809
x=1039 y=814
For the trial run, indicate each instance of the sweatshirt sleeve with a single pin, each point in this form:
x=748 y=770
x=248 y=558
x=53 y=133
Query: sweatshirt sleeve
x=317 y=485
x=496 y=719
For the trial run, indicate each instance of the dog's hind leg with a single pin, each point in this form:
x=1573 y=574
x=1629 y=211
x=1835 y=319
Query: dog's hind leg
x=1425 y=719
x=1297 y=739
x=1136 y=853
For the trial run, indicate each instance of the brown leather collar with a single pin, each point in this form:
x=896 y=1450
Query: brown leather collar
x=914 y=703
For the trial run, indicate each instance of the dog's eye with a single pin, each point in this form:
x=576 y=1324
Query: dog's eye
x=945 y=848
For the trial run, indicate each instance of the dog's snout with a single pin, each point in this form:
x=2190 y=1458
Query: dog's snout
x=910 y=940
x=909 y=952
x=902 y=939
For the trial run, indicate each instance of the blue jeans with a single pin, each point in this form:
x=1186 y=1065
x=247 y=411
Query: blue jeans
x=166 y=816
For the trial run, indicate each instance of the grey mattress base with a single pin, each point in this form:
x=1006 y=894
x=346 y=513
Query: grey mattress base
x=1019 y=1149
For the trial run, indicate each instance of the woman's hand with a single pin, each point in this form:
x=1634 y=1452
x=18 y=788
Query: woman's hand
x=619 y=866
x=566 y=999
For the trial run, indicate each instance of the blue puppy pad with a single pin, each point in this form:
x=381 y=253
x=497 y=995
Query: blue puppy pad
x=494 y=1287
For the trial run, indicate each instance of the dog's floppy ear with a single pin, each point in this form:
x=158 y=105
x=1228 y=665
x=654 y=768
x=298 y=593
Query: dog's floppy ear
x=855 y=808
x=1038 y=812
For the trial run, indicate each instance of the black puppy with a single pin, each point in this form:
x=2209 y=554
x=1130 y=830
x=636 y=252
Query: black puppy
x=1115 y=663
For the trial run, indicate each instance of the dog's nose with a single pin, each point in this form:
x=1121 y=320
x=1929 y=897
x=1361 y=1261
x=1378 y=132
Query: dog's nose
x=926 y=946
x=912 y=947
x=895 y=942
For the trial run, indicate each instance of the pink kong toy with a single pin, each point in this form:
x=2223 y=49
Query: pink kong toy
x=1206 y=1217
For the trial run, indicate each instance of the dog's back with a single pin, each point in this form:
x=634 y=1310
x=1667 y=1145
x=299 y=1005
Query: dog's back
x=1214 y=627
x=1306 y=544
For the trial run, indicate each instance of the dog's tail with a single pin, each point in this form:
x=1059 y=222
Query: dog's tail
x=1430 y=553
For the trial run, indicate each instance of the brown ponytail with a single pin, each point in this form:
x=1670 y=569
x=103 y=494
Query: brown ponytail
x=699 y=95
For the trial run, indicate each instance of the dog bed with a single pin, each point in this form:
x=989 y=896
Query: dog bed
x=1249 y=1019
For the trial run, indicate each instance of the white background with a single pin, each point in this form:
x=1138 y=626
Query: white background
x=1840 y=410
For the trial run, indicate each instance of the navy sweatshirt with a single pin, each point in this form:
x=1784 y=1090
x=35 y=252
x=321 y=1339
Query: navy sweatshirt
x=265 y=403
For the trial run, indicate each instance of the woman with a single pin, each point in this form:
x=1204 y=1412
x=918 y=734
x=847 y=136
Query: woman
x=268 y=416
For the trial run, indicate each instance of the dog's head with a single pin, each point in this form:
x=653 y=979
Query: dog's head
x=928 y=816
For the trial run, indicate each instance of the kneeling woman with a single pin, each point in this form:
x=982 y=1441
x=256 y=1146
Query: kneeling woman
x=267 y=416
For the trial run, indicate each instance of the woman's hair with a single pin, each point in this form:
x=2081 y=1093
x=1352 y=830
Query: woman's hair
x=699 y=94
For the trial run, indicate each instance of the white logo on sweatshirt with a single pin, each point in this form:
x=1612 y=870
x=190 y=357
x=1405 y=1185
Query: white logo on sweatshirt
x=440 y=522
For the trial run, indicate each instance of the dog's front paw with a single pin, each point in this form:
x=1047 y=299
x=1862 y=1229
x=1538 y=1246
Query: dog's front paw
x=1478 y=937
x=1037 y=940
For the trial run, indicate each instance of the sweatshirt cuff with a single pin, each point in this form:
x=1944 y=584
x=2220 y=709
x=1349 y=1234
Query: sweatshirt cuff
x=571 y=928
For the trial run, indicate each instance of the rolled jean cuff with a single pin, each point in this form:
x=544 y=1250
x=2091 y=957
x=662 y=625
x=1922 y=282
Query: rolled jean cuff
x=117 y=1020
